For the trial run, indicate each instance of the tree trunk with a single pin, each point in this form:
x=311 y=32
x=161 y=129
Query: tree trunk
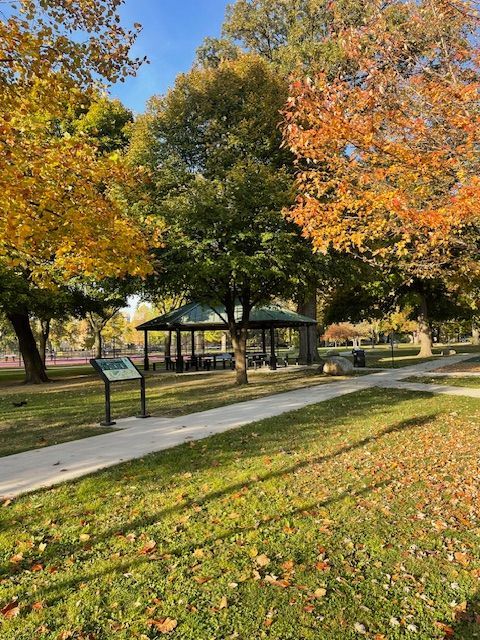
x=308 y=307
x=168 y=345
x=97 y=344
x=34 y=368
x=239 y=342
x=199 y=342
x=424 y=331
x=475 y=334
x=44 y=333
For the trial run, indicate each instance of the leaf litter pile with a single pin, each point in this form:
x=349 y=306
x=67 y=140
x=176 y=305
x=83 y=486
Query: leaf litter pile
x=355 y=518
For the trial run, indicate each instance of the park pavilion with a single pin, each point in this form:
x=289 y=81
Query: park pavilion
x=197 y=317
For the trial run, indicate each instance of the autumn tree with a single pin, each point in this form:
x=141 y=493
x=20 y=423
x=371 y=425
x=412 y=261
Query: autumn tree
x=219 y=183
x=341 y=332
x=118 y=331
x=59 y=214
x=387 y=151
x=291 y=34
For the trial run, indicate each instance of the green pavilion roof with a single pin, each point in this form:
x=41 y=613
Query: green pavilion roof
x=196 y=316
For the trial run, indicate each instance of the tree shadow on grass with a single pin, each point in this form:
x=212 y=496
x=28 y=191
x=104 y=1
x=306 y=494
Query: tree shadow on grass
x=467 y=623
x=55 y=593
x=57 y=550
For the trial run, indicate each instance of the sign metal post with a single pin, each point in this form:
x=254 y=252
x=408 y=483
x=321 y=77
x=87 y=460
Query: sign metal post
x=108 y=412
x=143 y=400
x=119 y=370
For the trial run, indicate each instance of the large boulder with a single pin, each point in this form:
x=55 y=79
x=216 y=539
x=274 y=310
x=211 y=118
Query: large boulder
x=448 y=352
x=337 y=366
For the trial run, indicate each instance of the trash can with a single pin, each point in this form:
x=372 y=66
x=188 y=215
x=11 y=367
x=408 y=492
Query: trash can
x=358 y=358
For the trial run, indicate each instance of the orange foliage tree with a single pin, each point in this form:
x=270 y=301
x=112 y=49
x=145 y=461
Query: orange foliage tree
x=387 y=150
x=341 y=332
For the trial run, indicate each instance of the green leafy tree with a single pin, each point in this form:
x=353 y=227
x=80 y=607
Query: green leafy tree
x=219 y=181
x=105 y=122
x=288 y=33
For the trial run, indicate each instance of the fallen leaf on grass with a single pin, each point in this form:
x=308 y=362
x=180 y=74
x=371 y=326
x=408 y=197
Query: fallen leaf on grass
x=18 y=557
x=446 y=629
x=262 y=560
x=273 y=580
x=164 y=625
x=461 y=558
x=360 y=628
x=320 y=592
x=288 y=565
x=148 y=548
x=10 y=610
x=84 y=537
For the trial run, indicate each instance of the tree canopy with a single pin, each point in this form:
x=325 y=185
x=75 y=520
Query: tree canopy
x=388 y=154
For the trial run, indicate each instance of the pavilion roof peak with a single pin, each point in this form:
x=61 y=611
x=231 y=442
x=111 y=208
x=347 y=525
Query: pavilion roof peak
x=198 y=316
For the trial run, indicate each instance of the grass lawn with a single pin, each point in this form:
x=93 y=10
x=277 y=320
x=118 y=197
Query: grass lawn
x=472 y=381
x=358 y=517
x=69 y=409
x=13 y=376
x=405 y=355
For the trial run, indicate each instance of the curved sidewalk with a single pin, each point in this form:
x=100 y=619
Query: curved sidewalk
x=23 y=472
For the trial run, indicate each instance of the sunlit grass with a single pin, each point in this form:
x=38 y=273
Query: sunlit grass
x=355 y=517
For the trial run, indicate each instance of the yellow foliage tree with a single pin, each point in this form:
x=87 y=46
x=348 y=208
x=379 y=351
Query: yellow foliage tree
x=59 y=216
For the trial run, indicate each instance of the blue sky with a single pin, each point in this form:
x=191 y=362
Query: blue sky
x=172 y=31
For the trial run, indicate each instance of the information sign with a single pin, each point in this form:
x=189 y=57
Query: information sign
x=116 y=369
x=119 y=370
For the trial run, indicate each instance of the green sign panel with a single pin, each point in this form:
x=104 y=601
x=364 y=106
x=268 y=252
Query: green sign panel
x=117 y=369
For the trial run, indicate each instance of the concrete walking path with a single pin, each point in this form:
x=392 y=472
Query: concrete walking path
x=432 y=388
x=451 y=374
x=23 y=472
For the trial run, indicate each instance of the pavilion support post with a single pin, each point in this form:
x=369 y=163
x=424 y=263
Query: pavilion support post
x=146 y=361
x=273 y=357
x=179 y=360
x=264 y=341
x=194 y=357
x=309 y=351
